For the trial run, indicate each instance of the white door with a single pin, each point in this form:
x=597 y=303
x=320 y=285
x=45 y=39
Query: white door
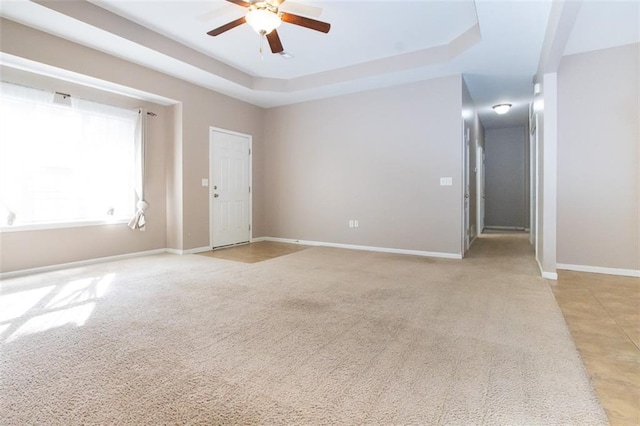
x=229 y=188
x=480 y=189
x=467 y=192
x=535 y=185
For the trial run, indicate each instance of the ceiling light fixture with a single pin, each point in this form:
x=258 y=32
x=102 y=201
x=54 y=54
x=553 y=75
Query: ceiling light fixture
x=501 y=108
x=263 y=18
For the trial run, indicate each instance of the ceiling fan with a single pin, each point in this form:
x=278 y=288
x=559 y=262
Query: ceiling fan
x=264 y=17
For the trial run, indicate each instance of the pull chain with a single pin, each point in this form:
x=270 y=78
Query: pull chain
x=262 y=37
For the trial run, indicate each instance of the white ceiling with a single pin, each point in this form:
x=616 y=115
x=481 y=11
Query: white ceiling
x=372 y=44
x=424 y=24
x=604 y=24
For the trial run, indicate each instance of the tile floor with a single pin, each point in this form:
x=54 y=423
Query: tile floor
x=603 y=315
x=254 y=252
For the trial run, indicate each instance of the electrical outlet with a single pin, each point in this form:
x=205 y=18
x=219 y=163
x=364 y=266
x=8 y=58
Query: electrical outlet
x=350 y=223
x=205 y=182
x=356 y=223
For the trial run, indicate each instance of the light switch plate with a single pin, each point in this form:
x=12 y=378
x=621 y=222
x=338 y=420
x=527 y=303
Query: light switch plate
x=446 y=181
x=205 y=182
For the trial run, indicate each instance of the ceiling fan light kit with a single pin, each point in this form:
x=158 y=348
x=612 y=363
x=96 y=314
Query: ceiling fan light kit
x=263 y=20
x=264 y=17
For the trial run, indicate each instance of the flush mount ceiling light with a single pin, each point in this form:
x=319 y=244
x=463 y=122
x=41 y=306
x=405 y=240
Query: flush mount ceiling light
x=263 y=18
x=501 y=108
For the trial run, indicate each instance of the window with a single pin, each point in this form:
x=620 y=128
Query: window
x=64 y=164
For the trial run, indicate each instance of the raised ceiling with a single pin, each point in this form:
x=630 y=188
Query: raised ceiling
x=496 y=45
x=361 y=32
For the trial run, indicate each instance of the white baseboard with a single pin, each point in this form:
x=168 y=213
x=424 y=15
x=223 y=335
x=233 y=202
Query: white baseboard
x=197 y=250
x=547 y=275
x=20 y=272
x=504 y=228
x=189 y=251
x=600 y=270
x=365 y=248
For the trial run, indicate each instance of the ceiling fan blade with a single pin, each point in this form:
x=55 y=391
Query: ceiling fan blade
x=323 y=27
x=240 y=3
x=274 y=42
x=227 y=27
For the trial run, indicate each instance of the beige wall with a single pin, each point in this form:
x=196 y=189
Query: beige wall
x=29 y=249
x=376 y=157
x=598 y=159
x=186 y=143
x=173 y=181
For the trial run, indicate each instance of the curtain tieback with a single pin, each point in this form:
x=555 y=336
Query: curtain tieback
x=142 y=205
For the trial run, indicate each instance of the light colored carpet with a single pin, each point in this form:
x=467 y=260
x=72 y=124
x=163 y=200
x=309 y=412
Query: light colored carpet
x=322 y=336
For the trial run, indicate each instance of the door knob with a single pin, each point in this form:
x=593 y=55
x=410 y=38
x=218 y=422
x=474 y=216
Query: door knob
x=215 y=195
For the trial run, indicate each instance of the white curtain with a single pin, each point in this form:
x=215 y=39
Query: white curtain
x=24 y=97
x=139 y=222
x=61 y=163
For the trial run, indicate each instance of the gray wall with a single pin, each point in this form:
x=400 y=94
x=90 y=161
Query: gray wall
x=506 y=183
x=376 y=157
x=598 y=159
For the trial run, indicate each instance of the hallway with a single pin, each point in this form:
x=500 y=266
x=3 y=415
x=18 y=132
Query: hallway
x=602 y=313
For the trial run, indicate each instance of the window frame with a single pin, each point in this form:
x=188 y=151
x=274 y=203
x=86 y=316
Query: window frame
x=77 y=222
x=41 y=226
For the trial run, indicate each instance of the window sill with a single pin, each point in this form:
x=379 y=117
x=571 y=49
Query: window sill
x=60 y=225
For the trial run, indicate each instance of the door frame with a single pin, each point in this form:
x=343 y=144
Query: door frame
x=480 y=187
x=466 y=190
x=213 y=130
x=535 y=190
